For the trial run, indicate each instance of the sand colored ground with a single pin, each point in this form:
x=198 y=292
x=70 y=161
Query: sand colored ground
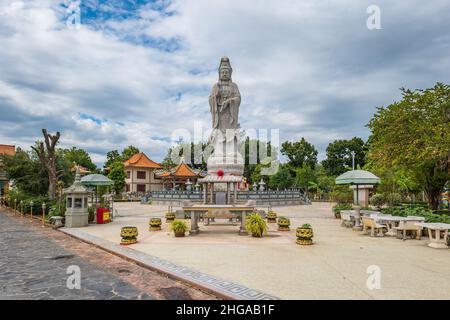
x=335 y=267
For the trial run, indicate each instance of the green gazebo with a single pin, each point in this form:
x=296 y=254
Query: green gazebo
x=357 y=178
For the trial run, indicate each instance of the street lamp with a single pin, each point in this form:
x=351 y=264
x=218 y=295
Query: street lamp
x=43 y=214
x=21 y=209
x=31 y=211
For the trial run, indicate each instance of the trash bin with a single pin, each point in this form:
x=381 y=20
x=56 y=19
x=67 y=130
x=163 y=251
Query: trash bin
x=103 y=215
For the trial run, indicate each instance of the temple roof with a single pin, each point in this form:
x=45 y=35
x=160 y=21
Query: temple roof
x=141 y=160
x=7 y=150
x=182 y=170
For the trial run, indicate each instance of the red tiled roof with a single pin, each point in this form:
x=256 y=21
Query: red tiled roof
x=7 y=150
x=140 y=160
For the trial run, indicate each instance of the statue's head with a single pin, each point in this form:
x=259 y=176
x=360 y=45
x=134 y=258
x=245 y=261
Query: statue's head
x=225 y=69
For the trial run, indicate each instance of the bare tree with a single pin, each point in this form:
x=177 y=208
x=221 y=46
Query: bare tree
x=47 y=156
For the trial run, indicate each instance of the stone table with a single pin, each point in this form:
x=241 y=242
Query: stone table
x=436 y=241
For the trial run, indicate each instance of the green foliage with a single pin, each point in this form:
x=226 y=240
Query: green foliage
x=91 y=211
x=428 y=214
x=306 y=226
x=79 y=157
x=337 y=208
x=117 y=175
x=112 y=156
x=378 y=200
x=304 y=176
x=393 y=199
x=342 y=194
x=412 y=135
x=300 y=153
x=128 y=152
x=26 y=170
x=282 y=179
x=178 y=226
x=339 y=158
x=255 y=225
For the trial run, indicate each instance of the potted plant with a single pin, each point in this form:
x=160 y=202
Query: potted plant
x=283 y=224
x=305 y=234
x=255 y=225
x=339 y=207
x=155 y=224
x=179 y=227
x=170 y=217
x=129 y=235
x=271 y=217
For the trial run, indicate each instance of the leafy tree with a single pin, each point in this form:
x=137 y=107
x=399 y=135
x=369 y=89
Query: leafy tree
x=339 y=157
x=80 y=157
x=128 y=152
x=27 y=172
x=112 y=157
x=414 y=134
x=282 y=179
x=304 y=176
x=300 y=153
x=117 y=175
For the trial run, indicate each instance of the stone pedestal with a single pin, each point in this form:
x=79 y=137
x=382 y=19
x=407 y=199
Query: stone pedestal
x=358 y=226
x=226 y=156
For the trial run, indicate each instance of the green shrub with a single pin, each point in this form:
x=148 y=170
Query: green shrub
x=393 y=199
x=178 y=226
x=342 y=206
x=378 y=200
x=255 y=225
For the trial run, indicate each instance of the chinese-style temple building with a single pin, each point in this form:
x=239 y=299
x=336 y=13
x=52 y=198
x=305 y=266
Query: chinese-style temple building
x=182 y=177
x=4 y=182
x=140 y=174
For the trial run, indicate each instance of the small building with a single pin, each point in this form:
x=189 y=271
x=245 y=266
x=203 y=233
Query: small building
x=8 y=150
x=180 y=177
x=140 y=174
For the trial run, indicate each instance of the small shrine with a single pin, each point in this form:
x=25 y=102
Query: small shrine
x=77 y=203
x=182 y=177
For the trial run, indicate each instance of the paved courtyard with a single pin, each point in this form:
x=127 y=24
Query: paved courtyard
x=34 y=262
x=334 y=268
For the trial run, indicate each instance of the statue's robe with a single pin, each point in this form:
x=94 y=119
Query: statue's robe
x=228 y=117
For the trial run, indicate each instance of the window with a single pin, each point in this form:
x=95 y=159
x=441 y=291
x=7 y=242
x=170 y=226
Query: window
x=141 y=174
x=128 y=174
x=78 y=203
x=127 y=188
x=140 y=188
x=69 y=202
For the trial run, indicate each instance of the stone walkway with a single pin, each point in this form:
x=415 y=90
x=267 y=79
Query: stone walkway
x=34 y=262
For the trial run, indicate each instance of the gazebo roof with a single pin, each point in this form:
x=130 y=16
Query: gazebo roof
x=96 y=180
x=357 y=177
x=141 y=160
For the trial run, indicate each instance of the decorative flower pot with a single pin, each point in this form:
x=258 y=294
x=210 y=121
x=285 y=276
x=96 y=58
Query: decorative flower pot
x=271 y=217
x=170 y=216
x=129 y=235
x=179 y=234
x=304 y=236
x=155 y=224
x=283 y=224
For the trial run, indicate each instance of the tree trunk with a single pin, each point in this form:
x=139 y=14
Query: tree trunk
x=433 y=198
x=47 y=157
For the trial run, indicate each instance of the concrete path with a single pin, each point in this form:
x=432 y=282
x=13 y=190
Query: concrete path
x=34 y=262
x=335 y=267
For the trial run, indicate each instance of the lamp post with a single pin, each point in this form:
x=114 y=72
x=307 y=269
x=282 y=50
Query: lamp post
x=31 y=211
x=43 y=214
x=21 y=209
x=15 y=205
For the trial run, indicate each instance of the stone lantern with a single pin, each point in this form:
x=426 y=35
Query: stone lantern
x=77 y=204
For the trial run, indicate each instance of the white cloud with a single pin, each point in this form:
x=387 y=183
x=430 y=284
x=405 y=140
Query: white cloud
x=309 y=68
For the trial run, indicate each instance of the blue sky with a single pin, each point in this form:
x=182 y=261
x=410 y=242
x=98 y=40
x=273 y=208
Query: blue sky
x=137 y=70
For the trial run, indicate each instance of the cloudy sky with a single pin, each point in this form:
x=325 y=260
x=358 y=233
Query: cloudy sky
x=136 y=70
